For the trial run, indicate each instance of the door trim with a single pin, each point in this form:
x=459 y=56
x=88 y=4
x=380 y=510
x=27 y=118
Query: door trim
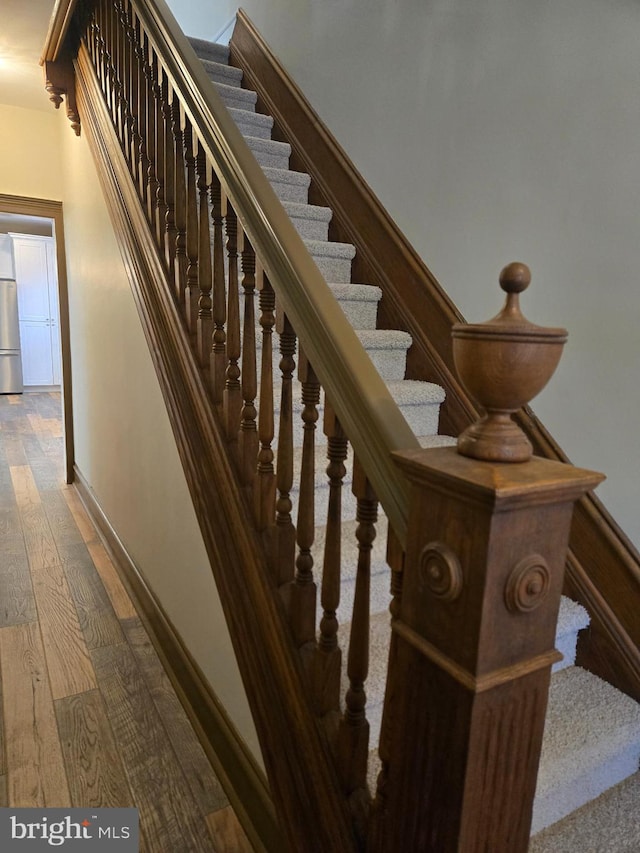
x=27 y=206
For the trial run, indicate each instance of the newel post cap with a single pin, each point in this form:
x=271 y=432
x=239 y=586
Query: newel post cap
x=504 y=363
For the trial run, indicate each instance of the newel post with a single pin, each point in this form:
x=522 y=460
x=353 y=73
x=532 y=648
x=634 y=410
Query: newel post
x=473 y=635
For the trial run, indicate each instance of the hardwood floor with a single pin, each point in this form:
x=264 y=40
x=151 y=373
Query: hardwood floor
x=89 y=717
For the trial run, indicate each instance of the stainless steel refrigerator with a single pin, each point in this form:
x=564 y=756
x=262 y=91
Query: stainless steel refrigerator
x=10 y=359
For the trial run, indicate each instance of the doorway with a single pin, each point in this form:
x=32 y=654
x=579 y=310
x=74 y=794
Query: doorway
x=38 y=215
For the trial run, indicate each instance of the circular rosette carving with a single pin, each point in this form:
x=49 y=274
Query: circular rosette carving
x=528 y=584
x=440 y=571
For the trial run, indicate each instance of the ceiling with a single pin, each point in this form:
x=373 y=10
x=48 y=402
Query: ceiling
x=22 y=35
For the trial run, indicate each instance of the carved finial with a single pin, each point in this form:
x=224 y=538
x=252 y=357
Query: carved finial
x=504 y=364
x=60 y=81
x=515 y=278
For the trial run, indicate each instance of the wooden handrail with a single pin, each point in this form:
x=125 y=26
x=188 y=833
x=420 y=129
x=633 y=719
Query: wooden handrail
x=59 y=24
x=367 y=411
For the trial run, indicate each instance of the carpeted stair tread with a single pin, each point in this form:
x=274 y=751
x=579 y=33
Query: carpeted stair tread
x=591 y=742
x=311 y=221
x=252 y=123
x=608 y=824
x=421 y=410
x=269 y=152
x=243 y=99
x=359 y=303
x=219 y=72
x=419 y=402
x=332 y=259
x=289 y=185
x=387 y=349
x=210 y=50
x=327 y=249
x=571 y=619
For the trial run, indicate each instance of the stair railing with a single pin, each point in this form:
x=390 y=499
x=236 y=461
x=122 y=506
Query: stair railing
x=203 y=234
x=237 y=272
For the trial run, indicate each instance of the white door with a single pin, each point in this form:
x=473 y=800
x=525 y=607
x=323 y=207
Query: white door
x=37 y=308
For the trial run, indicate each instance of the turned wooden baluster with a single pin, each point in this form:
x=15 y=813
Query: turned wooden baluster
x=100 y=48
x=395 y=560
x=112 y=49
x=328 y=657
x=108 y=45
x=353 y=734
x=150 y=72
x=143 y=158
x=304 y=590
x=118 y=73
x=218 y=349
x=232 y=387
x=112 y=30
x=92 y=41
x=125 y=82
x=205 y=322
x=105 y=32
x=265 y=486
x=193 y=228
x=170 y=231
x=180 y=205
x=248 y=435
x=158 y=119
x=285 y=532
x=132 y=62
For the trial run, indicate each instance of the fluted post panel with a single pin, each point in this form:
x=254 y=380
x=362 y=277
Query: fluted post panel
x=473 y=649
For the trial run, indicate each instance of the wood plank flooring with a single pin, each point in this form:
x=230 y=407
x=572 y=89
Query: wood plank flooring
x=89 y=717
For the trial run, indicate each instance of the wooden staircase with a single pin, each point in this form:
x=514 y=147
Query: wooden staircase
x=218 y=252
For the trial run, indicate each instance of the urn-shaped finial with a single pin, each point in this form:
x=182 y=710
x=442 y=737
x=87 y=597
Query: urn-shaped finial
x=503 y=364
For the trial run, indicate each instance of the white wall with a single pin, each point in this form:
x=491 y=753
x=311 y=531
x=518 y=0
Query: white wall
x=124 y=444
x=498 y=131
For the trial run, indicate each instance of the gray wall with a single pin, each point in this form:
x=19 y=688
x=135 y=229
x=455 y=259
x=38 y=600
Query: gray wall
x=496 y=131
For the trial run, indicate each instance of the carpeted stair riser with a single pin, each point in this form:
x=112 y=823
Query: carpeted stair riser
x=573 y=618
x=240 y=99
x=311 y=221
x=269 y=154
x=419 y=404
x=288 y=185
x=252 y=124
x=386 y=349
x=210 y=50
x=218 y=72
